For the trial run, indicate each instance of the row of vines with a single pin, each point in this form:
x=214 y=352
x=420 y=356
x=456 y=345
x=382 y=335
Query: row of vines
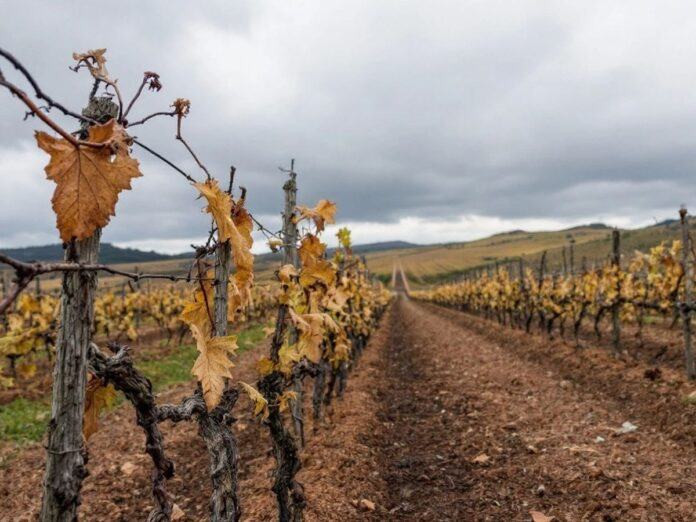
x=325 y=308
x=624 y=289
x=29 y=330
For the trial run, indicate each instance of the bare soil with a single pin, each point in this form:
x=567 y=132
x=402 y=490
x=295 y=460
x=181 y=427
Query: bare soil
x=446 y=417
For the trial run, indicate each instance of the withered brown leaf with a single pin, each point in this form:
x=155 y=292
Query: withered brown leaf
x=89 y=179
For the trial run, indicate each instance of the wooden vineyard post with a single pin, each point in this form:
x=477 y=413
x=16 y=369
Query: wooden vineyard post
x=542 y=275
x=3 y=293
x=687 y=268
x=616 y=306
x=571 y=248
x=290 y=257
x=66 y=454
x=523 y=291
x=289 y=493
x=138 y=315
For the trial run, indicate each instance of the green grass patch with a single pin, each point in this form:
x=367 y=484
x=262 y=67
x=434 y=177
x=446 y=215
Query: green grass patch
x=689 y=399
x=24 y=421
x=169 y=370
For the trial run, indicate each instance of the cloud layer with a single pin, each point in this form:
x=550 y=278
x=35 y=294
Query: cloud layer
x=463 y=117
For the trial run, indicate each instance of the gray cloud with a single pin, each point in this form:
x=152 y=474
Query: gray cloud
x=514 y=110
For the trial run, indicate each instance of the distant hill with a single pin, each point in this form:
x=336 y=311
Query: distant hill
x=357 y=249
x=109 y=254
x=431 y=264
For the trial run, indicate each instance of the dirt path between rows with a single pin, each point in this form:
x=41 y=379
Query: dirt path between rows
x=445 y=418
x=511 y=436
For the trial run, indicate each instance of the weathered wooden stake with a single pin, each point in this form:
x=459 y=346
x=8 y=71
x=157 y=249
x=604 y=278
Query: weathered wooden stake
x=66 y=454
x=290 y=257
x=687 y=267
x=616 y=307
x=289 y=493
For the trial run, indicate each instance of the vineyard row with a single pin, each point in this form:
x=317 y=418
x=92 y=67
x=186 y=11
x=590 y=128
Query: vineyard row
x=625 y=290
x=326 y=309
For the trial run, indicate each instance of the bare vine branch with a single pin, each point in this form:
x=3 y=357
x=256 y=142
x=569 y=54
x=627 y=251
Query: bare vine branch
x=181 y=108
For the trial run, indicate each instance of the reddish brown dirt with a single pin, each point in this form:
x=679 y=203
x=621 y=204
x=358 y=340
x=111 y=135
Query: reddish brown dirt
x=339 y=468
x=446 y=417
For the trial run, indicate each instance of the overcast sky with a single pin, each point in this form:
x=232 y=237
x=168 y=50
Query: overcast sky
x=425 y=121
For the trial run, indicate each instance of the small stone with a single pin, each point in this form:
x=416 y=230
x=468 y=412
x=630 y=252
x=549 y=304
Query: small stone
x=128 y=468
x=366 y=505
x=626 y=427
x=481 y=459
x=177 y=512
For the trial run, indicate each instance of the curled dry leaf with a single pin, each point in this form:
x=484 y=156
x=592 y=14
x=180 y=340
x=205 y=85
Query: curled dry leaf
x=235 y=225
x=321 y=272
x=313 y=328
x=97 y=398
x=213 y=365
x=265 y=366
x=219 y=206
x=195 y=312
x=285 y=398
x=315 y=269
x=311 y=250
x=88 y=179
x=95 y=61
x=322 y=214
x=275 y=244
x=260 y=403
x=286 y=273
x=181 y=106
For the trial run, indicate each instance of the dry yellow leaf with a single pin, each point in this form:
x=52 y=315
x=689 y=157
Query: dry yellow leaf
x=288 y=355
x=213 y=365
x=265 y=366
x=313 y=328
x=196 y=312
x=234 y=224
x=242 y=242
x=311 y=250
x=260 y=403
x=285 y=398
x=286 y=273
x=26 y=370
x=219 y=206
x=97 y=398
x=319 y=272
x=322 y=214
x=88 y=179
